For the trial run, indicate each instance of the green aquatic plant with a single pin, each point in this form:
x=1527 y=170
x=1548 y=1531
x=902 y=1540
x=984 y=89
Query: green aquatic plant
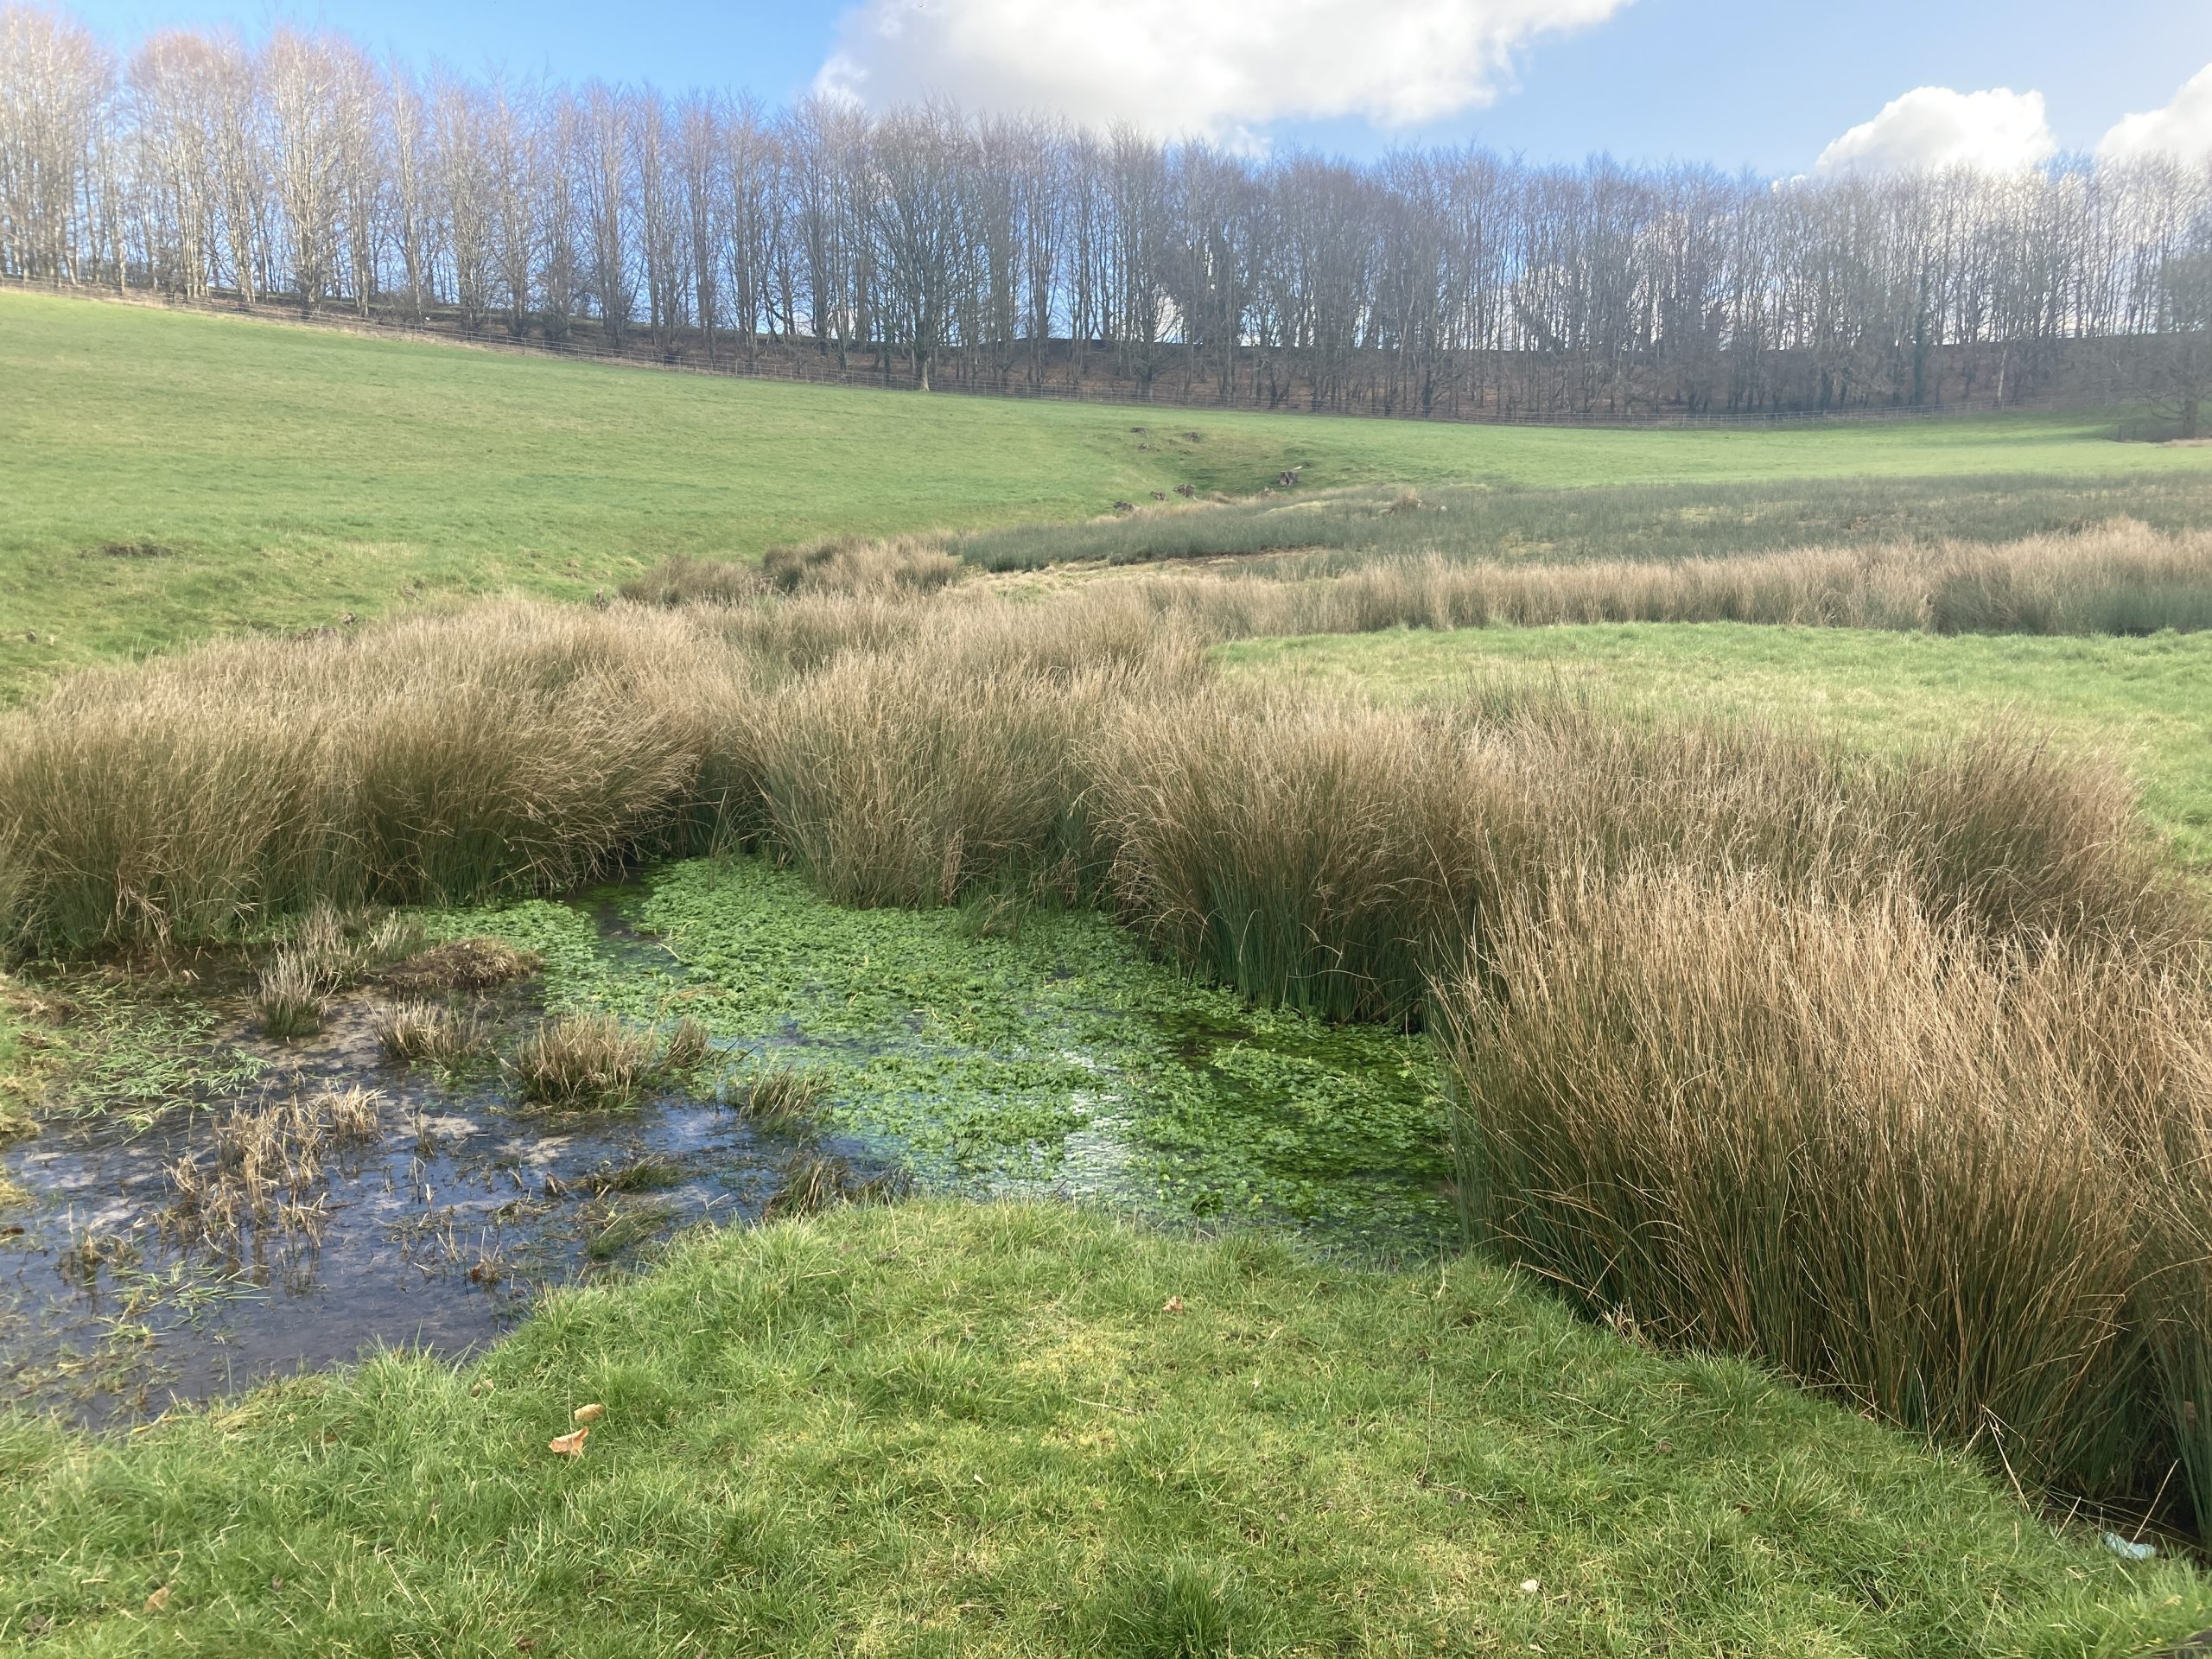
x=1050 y=1058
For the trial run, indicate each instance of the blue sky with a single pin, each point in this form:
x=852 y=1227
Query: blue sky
x=1767 y=84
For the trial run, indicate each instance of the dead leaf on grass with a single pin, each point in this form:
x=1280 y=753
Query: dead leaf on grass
x=590 y=1413
x=570 y=1445
x=159 y=1599
x=1172 y=1305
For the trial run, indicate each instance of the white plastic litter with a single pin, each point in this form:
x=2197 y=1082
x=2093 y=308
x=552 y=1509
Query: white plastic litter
x=2128 y=1552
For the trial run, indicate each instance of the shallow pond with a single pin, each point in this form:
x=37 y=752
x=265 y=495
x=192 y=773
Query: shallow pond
x=992 y=1053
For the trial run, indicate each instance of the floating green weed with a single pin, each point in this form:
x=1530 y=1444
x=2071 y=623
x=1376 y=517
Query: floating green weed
x=1050 y=1058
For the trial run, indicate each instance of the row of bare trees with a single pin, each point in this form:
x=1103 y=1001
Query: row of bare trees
x=1020 y=254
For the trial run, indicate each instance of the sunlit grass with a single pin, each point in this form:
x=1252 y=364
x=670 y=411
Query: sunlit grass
x=960 y=1430
x=266 y=477
x=2148 y=702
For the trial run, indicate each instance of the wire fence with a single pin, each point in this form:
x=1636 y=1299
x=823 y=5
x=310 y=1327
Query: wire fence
x=796 y=362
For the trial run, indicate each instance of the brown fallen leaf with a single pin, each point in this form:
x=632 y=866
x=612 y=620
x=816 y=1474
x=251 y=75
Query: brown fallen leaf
x=1173 y=1304
x=590 y=1413
x=159 y=1599
x=570 y=1445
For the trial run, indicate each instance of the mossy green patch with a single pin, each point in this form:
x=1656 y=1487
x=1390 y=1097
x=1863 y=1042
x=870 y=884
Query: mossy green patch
x=1055 y=1059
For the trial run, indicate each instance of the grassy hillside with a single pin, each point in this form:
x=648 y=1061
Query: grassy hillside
x=262 y=476
x=980 y=1431
x=2146 y=700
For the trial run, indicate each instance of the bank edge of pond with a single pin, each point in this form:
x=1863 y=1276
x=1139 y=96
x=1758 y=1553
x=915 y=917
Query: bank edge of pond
x=998 y=1429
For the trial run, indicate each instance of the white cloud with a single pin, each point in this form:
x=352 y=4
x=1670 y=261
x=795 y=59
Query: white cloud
x=2183 y=128
x=1933 y=127
x=1217 y=68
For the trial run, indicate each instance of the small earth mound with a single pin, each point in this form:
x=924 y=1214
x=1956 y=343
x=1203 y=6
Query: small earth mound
x=461 y=965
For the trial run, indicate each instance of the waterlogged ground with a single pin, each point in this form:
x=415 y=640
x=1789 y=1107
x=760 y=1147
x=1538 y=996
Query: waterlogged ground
x=430 y=1224
x=1033 y=1054
x=1038 y=1055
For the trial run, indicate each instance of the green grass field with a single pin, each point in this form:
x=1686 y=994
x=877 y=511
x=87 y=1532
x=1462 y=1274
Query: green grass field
x=961 y=1430
x=291 y=476
x=2147 y=701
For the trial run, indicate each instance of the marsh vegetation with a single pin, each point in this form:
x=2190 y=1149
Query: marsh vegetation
x=1920 y=981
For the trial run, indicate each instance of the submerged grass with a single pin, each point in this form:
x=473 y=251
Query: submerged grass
x=858 y=1432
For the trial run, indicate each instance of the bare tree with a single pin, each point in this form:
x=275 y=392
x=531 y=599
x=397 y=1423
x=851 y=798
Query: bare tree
x=513 y=169
x=2175 y=377
x=467 y=195
x=304 y=79
x=414 y=226
x=608 y=206
x=1025 y=255
x=56 y=86
x=922 y=219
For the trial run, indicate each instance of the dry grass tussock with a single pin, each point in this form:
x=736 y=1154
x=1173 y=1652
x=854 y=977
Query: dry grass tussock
x=2121 y=577
x=593 y=1061
x=1337 y=856
x=328 y=952
x=1964 y=1184
x=2118 y=577
x=506 y=748
x=417 y=1032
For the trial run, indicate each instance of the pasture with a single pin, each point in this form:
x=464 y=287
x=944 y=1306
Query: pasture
x=167 y=476
x=1115 y=1107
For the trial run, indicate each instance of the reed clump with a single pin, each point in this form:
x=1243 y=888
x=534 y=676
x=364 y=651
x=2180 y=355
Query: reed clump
x=328 y=952
x=1337 y=856
x=595 y=1062
x=505 y=748
x=1326 y=857
x=418 y=1032
x=1937 y=1174
x=779 y=1100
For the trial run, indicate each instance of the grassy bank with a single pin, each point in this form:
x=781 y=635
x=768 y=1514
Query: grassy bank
x=2148 y=702
x=254 y=476
x=947 y=1430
